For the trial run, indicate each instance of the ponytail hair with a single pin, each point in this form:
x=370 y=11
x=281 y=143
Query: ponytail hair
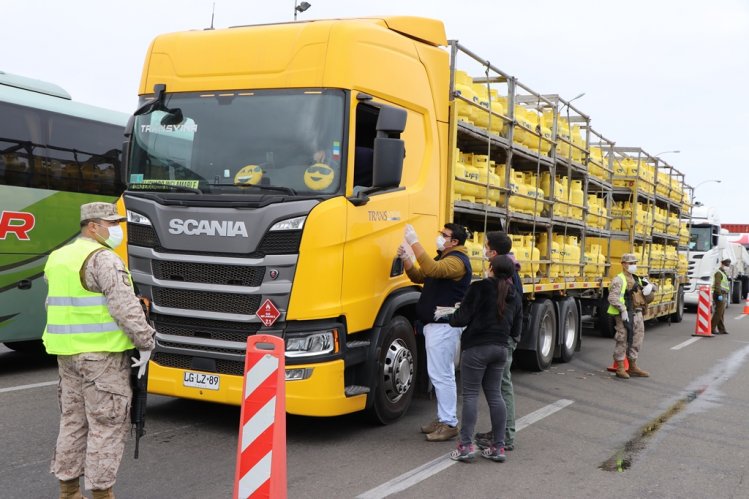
x=503 y=269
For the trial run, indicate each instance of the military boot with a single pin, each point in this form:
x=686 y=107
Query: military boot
x=104 y=493
x=71 y=489
x=620 y=371
x=636 y=371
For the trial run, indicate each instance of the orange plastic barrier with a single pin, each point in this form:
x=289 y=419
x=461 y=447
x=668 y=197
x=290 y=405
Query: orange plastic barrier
x=261 y=452
x=703 y=326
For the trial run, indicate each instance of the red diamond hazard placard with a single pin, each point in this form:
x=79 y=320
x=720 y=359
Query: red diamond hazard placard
x=268 y=313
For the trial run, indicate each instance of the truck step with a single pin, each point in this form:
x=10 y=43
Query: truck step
x=353 y=390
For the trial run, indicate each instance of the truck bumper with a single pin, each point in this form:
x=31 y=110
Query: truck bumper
x=321 y=394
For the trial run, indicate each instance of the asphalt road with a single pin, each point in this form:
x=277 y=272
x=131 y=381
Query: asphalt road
x=680 y=433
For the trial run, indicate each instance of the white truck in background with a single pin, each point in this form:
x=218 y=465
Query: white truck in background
x=708 y=246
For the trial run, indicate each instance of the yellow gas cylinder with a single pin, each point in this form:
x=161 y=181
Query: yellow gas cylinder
x=520 y=135
x=577 y=199
x=676 y=190
x=549 y=252
x=499 y=107
x=475 y=248
x=663 y=185
x=572 y=256
x=563 y=131
x=673 y=224
x=519 y=201
x=657 y=256
x=683 y=266
x=471 y=175
x=595 y=164
x=626 y=216
x=683 y=235
x=578 y=151
x=535 y=204
x=533 y=267
x=561 y=241
x=500 y=171
x=672 y=257
x=481 y=163
x=461 y=188
x=464 y=88
x=593 y=216
x=668 y=290
x=594 y=261
x=521 y=250
x=533 y=141
x=559 y=196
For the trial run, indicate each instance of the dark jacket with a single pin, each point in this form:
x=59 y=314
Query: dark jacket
x=444 y=292
x=478 y=311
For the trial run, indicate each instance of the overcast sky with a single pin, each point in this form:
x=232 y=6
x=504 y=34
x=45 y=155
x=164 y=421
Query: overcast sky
x=658 y=74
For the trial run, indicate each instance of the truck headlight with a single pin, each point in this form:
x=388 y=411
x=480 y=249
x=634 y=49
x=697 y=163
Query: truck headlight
x=137 y=218
x=295 y=223
x=317 y=343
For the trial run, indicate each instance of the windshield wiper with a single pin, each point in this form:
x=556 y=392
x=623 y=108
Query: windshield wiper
x=182 y=188
x=279 y=188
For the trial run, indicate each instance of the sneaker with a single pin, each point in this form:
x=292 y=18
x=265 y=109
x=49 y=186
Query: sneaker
x=465 y=453
x=484 y=440
x=442 y=433
x=496 y=454
x=431 y=427
x=509 y=445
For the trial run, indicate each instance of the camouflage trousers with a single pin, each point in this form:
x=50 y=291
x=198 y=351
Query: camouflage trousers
x=94 y=395
x=638 y=325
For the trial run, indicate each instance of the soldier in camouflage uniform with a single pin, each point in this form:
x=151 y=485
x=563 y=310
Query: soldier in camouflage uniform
x=628 y=298
x=94 y=319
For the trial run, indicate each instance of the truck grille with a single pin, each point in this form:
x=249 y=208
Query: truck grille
x=232 y=275
x=273 y=243
x=204 y=328
x=281 y=243
x=207 y=301
x=185 y=362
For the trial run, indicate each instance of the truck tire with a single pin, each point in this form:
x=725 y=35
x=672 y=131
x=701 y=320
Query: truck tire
x=678 y=314
x=543 y=328
x=569 y=328
x=737 y=291
x=396 y=372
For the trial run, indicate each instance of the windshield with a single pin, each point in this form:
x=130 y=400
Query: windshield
x=700 y=238
x=274 y=141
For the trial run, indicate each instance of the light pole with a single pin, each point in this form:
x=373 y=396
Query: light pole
x=694 y=189
x=666 y=152
x=301 y=7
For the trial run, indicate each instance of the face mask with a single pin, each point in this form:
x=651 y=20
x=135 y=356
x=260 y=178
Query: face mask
x=632 y=269
x=440 y=242
x=115 y=236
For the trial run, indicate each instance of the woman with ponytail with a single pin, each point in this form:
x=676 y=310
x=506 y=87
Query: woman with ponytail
x=491 y=313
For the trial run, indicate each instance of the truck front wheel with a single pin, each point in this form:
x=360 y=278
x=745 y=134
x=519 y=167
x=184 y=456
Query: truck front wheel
x=396 y=372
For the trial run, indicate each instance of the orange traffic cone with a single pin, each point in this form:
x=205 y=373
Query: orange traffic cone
x=612 y=369
x=746 y=306
x=703 y=325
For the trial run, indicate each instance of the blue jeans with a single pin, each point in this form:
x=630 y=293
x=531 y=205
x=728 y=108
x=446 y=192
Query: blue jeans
x=482 y=366
x=441 y=341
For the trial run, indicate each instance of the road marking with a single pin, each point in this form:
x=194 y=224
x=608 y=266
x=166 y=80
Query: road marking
x=26 y=387
x=685 y=343
x=416 y=475
x=739 y=317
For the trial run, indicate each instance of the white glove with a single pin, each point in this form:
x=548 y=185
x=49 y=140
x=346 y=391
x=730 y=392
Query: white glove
x=647 y=289
x=410 y=235
x=625 y=316
x=142 y=363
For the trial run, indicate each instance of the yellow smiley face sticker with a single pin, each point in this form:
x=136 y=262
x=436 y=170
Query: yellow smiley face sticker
x=318 y=176
x=248 y=175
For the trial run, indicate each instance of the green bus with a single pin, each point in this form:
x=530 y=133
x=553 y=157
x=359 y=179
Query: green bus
x=55 y=154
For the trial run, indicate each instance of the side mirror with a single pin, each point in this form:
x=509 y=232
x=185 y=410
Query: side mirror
x=722 y=242
x=125 y=151
x=389 y=148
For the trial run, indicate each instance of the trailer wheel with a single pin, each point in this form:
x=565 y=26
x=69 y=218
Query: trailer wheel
x=543 y=326
x=678 y=315
x=737 y=291
x=569 y=328
x=396 y=372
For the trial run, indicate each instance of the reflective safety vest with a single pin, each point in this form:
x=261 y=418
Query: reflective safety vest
x=612 y=309
x=78 y=320
x=725 y=286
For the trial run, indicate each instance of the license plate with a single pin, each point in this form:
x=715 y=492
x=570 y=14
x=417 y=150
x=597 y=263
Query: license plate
x=201 y=380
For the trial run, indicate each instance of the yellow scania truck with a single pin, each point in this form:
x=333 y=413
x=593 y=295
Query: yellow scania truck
x=271 y=171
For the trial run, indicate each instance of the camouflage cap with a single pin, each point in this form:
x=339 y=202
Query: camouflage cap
x=101 y=211
x=726 y=260
x=629 y=258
